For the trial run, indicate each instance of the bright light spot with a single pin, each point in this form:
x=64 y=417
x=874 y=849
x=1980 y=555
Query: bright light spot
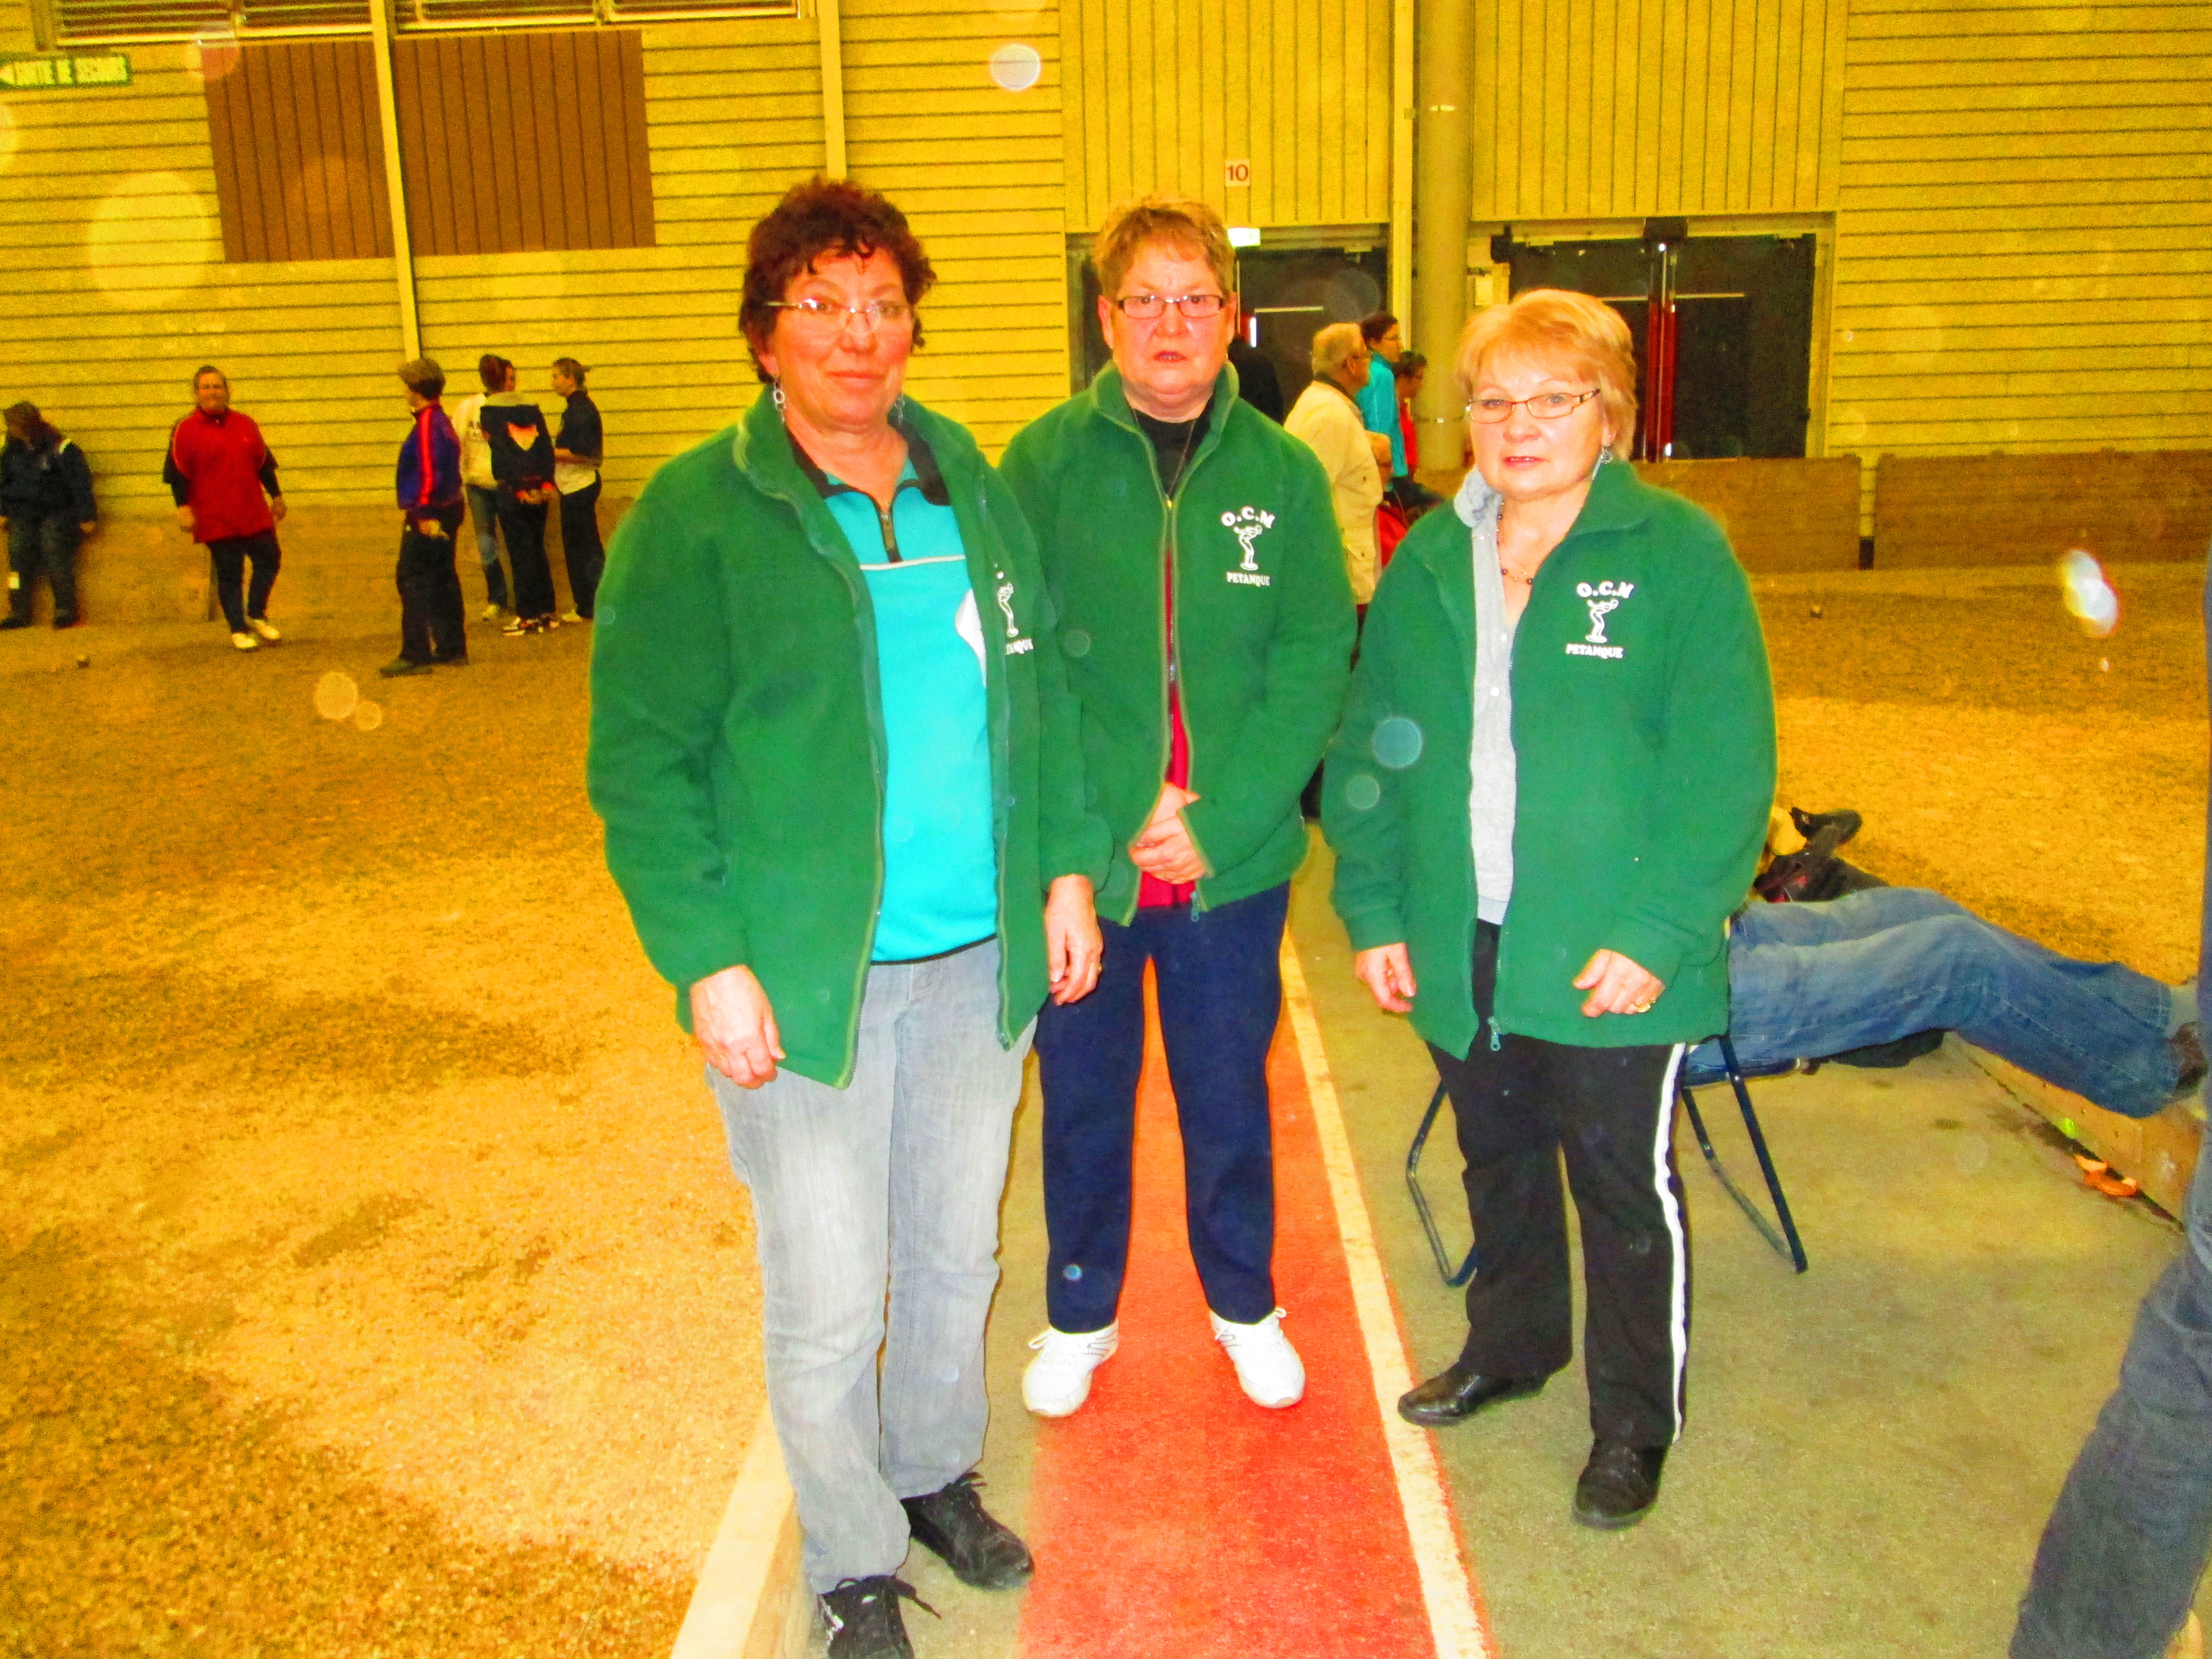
x=336 y=696
x=1243 y=235
x=369 y=716
x=1075 y=643
x=1397 y=743
x=2089 y=596
x=1016 y=66
x=1361 y=793
x=211 y=55
x=152 y=238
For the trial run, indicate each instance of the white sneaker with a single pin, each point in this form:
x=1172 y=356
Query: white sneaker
x=574 y=616
x=246 y=641
x=1267 y=1366
x=1058 y=1380
x=264 y=627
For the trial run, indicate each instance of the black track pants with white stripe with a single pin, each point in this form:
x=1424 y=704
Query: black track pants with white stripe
x=1610 y=1112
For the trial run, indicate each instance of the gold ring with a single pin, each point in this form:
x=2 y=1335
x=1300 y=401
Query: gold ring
x=1639 y=1008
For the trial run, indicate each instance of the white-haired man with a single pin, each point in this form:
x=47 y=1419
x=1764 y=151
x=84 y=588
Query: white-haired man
x=1327 y=415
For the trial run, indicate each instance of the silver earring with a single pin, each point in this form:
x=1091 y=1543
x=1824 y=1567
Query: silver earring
x=776 y=391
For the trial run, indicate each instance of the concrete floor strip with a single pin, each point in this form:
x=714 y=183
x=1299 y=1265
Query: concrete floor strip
x=1455 y=1614
x=749 y=1603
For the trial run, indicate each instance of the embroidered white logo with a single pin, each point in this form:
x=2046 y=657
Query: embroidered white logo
x=1016 y=645
x=1602 y=599
x=1248 y=524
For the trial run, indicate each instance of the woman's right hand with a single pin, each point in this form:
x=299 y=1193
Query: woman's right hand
x=1387 y=971
x=735 y=1028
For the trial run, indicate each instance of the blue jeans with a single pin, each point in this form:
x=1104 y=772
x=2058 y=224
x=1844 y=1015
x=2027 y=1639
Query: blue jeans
x=2127 y=1542
x=885 y=1190
x=483 y=514
x=1220 y=993
x=1807 y=981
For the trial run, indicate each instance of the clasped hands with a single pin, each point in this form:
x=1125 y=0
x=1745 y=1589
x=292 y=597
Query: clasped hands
x=1164 y=848
x=1616 y=985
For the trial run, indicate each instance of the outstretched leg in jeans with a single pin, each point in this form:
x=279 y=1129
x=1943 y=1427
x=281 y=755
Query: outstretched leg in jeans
x=1807 y=981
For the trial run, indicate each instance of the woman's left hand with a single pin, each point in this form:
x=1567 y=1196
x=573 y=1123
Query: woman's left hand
x=1617 y=986
x=1073 y=948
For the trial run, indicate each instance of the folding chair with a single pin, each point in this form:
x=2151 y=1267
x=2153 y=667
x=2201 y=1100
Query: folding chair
x=1785 y=1242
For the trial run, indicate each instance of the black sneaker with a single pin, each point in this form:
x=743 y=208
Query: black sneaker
x=862 y=1615
x=982 y=1551
x=15 y=621
x=1618 y=1485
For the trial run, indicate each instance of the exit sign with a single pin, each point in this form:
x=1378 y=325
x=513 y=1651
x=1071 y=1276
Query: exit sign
x=1239 y=173
x=57 y=73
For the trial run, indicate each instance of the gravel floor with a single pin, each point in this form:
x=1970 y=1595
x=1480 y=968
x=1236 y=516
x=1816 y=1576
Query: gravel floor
x=371 y=1280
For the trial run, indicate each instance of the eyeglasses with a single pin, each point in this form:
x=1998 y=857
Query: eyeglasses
x=827 y=316
x=1545 y=405
x=1146 y=307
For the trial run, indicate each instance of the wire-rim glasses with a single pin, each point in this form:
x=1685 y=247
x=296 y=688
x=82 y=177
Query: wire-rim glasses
x=1149 y=307
x=828 y=316
x=1544 y=406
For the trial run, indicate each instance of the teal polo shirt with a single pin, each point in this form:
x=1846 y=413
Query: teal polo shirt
x=940 y=857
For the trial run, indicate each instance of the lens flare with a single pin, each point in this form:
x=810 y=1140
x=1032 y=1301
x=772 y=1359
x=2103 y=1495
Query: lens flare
x=1362 y=792
x=1396 y=743
x=369 y=716
x=2089 y=595
x=211 y=55
x=1016 y=66
x=336 y=695
x=152 y=237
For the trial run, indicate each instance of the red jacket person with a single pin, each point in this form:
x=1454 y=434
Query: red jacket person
x=223 y=480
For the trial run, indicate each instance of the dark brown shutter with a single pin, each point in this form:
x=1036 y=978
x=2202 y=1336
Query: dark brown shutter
x=520 y=143
x=299 y=162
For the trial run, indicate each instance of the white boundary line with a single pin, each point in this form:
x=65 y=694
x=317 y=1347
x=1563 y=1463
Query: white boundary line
x=1455 y=1621
x=749 y=1603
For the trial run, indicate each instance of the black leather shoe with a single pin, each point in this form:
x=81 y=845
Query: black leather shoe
x=1455 y=1394
x=981 y=1551
x=862 y=1615
x=1619 y=1485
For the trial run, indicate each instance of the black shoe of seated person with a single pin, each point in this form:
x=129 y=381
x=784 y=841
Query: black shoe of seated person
x=982 y=1551
x=862 y=1616
x=1618 y=1485
x=2188 y=1048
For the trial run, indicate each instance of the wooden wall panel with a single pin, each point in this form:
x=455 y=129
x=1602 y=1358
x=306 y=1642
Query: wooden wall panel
x=1594 y=109
x=978 y=169
x=2024 y=237
x=298 y=164
x=552 y=122
x=1162 y=93
x=2029 y=509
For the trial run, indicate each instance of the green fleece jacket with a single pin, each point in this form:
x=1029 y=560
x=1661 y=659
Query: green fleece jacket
x=1644 y=742
x=738 y=752
x=1261 y=634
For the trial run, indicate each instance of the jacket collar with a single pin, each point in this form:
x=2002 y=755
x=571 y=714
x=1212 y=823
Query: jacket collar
x=764 y=453
x=1618 y=500
x=1113 y=403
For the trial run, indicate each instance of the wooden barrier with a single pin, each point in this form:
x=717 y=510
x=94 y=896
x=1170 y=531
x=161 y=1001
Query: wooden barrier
x=2160 y=1152
x=1782 y=516
x=1955 y=510
x=338 y=565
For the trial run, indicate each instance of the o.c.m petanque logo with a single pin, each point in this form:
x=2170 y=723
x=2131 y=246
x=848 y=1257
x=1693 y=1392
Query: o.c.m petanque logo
x=1248 y=524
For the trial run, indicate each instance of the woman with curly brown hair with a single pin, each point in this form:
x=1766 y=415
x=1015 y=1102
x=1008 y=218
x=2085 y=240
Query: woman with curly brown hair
x=843 y=796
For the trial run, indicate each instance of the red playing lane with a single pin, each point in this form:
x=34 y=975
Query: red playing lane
x=1173 y=1519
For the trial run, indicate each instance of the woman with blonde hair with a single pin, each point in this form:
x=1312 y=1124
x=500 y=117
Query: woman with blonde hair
x=1546 y=799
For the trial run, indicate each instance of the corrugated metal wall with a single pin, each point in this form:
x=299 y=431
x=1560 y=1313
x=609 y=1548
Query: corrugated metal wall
x=111 y=234
x=976 y=166
x=1620 y=108
x=2024 y=239
x=1163 y=93
x=2023 y=253
x=734 y=114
